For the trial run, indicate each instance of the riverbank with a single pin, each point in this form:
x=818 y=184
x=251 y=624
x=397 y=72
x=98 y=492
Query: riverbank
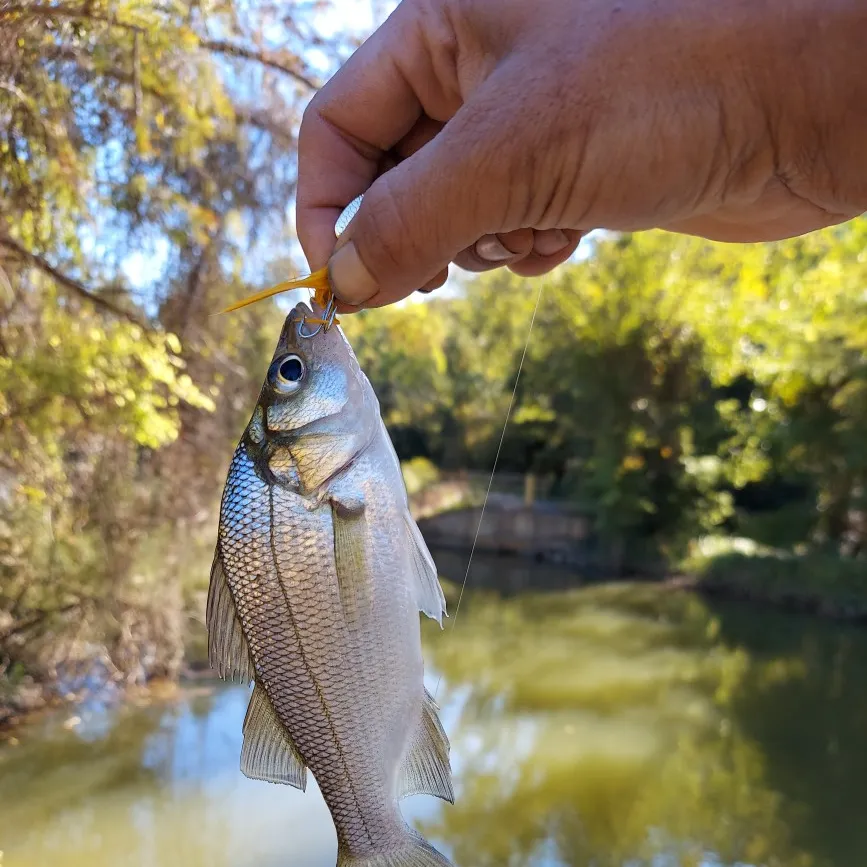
x=820 y=585
x=552 y=539
x=817 y=583
x=18 y=702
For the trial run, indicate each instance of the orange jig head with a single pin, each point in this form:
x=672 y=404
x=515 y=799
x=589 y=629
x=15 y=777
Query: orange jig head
x=317 y=281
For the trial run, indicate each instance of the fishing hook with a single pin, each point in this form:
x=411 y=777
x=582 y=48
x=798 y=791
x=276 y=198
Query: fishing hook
x=327 y=319
x=324 y=323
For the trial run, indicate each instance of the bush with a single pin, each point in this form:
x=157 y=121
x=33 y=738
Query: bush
x=822 y=576
x=418 y=474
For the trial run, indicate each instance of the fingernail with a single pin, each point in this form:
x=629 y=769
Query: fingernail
x=492 y=249
x=350 y=280
x=549 y=241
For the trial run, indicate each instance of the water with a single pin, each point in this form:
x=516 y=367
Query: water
x=606 y=726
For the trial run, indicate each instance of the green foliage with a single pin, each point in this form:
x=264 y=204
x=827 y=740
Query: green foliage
x=418 y=474
x=126 y=119
x=814 y=580
x=672 y=387
x=142 y=162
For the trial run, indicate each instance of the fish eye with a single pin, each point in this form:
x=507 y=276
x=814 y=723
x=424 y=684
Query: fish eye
x=292 y=369
x=287 y=373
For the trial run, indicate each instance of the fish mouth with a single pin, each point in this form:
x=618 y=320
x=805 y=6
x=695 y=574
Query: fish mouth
x=290 y=337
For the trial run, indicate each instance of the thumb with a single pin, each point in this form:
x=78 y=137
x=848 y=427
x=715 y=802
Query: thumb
x=414 y=220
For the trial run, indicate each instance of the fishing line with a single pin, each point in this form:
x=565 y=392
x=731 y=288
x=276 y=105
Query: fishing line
x=494 y=468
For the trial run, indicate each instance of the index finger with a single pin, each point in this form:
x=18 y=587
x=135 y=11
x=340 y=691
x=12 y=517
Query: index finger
x=369 y=105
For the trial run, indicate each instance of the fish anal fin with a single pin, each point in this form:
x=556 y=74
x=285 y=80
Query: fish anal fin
x=268 y=752
x=350 y=562
x=414 y=852
x=228 y=653
x=426 y=769
x=429 y=594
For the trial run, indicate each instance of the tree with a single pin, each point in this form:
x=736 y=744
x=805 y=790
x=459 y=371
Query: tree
x=146 y=161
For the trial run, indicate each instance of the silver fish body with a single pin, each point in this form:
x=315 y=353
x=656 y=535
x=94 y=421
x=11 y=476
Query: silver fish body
x=318 y=578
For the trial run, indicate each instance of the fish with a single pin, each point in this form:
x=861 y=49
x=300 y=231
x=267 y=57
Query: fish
x=318 y=578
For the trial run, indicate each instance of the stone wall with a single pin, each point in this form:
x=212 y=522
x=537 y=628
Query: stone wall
x=543 y=533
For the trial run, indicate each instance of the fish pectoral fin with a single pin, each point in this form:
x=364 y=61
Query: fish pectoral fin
x=228 y=653
x=426 y=769
x=345 y=498
x=268 y=752
x=429 y=594
x=350 y=562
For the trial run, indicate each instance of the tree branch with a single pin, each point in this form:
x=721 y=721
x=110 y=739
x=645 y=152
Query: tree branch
x=67 y=282
x=266 y=58
x=45 y=10
x=262 y=121
x=258 y=118
x=34 y=620
x=271 y=59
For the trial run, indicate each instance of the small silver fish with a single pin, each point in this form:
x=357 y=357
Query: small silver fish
x=318 y=577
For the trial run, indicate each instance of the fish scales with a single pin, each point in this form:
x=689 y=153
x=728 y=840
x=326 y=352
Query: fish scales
x=294 y=632
x=326 y=575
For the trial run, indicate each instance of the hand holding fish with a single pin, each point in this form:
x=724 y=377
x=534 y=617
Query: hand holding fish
x=496 y=133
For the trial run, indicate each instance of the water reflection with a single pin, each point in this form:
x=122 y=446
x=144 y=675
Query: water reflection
x=607 y=725
x=161 y=789
x=628 y=725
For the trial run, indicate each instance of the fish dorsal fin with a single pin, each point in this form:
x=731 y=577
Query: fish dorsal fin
x=228 y=653
x=349 y=562
x=268 y=752
x=429 y=594
x=426 y=769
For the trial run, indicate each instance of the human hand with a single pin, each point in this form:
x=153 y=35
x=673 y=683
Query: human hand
x=497 y=132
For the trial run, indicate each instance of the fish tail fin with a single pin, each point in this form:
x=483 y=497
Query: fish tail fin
x=417 y=852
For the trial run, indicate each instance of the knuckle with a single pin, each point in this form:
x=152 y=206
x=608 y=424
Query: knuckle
x=312 y=112
x=391 y=230
x=390 y=241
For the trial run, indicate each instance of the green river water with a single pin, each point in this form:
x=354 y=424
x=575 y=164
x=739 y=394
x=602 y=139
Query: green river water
x=619 y=725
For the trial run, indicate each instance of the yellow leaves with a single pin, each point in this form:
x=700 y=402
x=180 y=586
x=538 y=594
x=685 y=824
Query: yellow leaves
x=138 y=185
x=108 y=375
x=189 y=41
x=781 y=670
x=234 y=225
x=632 y=463
x=529 y=413
x=33 y=494
x=143 y=138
